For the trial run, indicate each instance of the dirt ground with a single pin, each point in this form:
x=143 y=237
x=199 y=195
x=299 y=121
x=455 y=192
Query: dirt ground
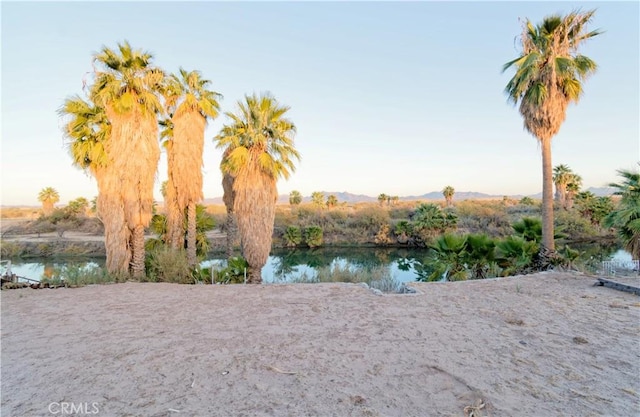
x=548 y=344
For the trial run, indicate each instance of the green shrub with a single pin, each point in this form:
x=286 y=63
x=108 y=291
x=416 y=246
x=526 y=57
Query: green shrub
x=313 y=236
x=292 y=236
x=233 y=273
x=164 y=264
x=10 y=250
x=574 y=225
x=76 y=275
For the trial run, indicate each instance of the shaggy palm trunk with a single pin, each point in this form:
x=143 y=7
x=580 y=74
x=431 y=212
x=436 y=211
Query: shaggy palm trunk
x=560 y=196
x=47 y=207
x=185 y=169
x=175 y=218
x=254 y=206
x=116 y=233
x=137 y=244
x=191 y=234
x=548 y=244
x=231 y=226
x=134 y=151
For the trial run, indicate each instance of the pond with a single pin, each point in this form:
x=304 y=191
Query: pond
x=303 y=265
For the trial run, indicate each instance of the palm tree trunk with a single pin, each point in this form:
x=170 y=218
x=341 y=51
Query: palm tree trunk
x=191 y=233
x=254 y=206
x=231 y=228
x=548 y=244
x=134 y=151
x=137 y=262
x=116 y=233
x=175 y=218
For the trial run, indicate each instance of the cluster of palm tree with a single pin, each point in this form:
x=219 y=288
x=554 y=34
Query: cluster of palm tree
x=567 y=184
x=389 y=199
x=549 y=76
x=114 y=135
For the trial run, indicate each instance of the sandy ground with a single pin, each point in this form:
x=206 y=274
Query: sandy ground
x=542 y=345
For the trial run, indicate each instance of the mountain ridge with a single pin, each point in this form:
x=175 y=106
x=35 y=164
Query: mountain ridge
x=347 y=197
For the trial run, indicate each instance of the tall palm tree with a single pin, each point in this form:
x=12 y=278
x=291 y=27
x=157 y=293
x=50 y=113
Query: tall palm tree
x=88 y=130
x=448 y=193
x=48 y=196
x=626 y=218
x=191 y=104
x=259 y=149
x=127 y=86
x=549 y=76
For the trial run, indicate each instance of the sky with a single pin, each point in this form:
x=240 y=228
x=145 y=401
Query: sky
x=401 y=98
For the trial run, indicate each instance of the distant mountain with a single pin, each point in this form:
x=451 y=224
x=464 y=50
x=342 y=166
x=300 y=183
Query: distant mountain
x=347 y=197
x=597 y=191
x=601 y=191
x=458 y=196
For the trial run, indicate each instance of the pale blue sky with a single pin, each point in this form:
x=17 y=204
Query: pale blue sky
x=400 y=98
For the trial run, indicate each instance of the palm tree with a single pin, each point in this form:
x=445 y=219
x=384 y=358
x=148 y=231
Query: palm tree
x=88 y=130
x=48 y=196
x=295 y=198
x=259 y=149
x=549 y=76
x=448 y=193
x=626 y=218
x=332 y=201
x=127 y=86
x=573 y=188
x=191 y=104
x=317 y=198
x=561 y=177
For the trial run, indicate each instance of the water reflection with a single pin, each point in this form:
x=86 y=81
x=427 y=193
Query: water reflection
x=404 y=264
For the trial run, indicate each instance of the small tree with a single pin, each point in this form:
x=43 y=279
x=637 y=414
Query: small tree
x=382 y=198
x=448 y=193
x=332 y=201
x=78 y=206
x=317 y=198
x=292 y=236
x=48 y=196
x=295 y=198
x=313 y=236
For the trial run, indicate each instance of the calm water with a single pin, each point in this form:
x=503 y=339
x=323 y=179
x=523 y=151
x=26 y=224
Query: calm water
x=291 y=265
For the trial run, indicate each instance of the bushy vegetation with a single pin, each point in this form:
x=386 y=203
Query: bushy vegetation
x=164 y=264
x=75 y=275
x=418 y=224
x=379 y=278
